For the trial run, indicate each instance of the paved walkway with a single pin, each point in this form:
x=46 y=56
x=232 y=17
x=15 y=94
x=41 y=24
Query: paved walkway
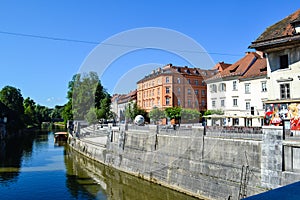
x=98 y=141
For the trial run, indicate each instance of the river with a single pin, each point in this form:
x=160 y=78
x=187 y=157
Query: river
x=33 y=167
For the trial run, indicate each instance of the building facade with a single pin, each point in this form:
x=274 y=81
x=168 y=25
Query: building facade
x=172 y=86
x=119 y=103
x=281 y=43
x=239 y=91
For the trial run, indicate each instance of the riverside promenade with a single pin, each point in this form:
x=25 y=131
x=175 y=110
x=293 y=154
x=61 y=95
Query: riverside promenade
x=205 y=163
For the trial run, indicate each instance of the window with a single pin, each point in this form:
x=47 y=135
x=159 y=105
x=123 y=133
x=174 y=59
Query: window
x=196 y=82
x=167 y=79
x=234 y=85
x=178 y=90
x=158 y=91
x=222 y=87
x=264 y=86
x=189 y=103
x=196 y=92
x=178 y=102
x=222 y=103
x=284 y=61
x=247 y=88
x=189 y=81
x=203 y=92
x=235 y=102
x=213 y=88
x=167 y=90
x=235 y=121
x=189 y=91
x=247 y=105
x=158 y=101
x=252 y=110
x=285 y=91
x=203 y=102
x=213 y=103
x=167 y=100
x=178 y=80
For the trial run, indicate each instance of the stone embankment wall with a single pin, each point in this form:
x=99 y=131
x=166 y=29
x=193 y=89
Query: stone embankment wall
x=188 y=161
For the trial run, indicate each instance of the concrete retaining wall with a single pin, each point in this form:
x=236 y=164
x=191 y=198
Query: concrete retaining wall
x=203 y=166
x=200 y=165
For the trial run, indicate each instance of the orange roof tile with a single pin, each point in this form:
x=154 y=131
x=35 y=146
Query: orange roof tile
x=246 y=67
x=220 y=66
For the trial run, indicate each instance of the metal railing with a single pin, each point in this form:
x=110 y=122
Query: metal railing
x=234 y=132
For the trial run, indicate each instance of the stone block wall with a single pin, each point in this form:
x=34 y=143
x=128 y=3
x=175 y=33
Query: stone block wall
x=197 y=164
x=271 y=165
x=200 y=165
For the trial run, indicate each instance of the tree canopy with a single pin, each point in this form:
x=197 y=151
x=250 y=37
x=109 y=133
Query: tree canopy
x=85 y=92
x=132 y=110
x=12 y=99
x=156 y=114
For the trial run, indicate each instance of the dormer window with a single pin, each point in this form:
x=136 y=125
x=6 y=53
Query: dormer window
x=296 y=26
x=284 y=61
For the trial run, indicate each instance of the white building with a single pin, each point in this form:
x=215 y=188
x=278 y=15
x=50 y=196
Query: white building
x=120 y=102
x=239 y=91
x=281 y=43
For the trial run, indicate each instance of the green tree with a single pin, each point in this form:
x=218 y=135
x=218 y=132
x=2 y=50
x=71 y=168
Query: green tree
x=104 y=108
x=91 y=116
x=30 y=116
x=43 y=114
x=132 y=110
x=211 y=112
x=85 y=92
x=67 y=113
x=12 y=98
x=156 y=114
x=190 y=115
x=56 y=113
x=173 y=112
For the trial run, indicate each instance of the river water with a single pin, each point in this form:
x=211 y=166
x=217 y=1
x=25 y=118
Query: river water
x=33 y=167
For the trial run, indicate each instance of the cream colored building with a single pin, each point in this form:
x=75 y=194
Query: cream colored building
x=239 y=91
x=281 y=43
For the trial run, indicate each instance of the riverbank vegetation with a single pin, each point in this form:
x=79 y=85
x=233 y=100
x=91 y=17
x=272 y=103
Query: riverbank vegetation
x=20 y=113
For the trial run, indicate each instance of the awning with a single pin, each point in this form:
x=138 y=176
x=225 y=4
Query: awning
x=214 y=116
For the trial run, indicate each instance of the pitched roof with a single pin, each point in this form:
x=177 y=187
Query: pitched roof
x=220 y=66
x=124 y=98
x=282 y=30
x=259 y=68
x=204 y=73
x=251 y=65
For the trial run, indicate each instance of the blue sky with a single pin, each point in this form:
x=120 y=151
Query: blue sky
x=42 y=68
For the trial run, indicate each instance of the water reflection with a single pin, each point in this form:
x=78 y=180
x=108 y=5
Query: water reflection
x=36 y=168
x=12 y=152
x=87 y=175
